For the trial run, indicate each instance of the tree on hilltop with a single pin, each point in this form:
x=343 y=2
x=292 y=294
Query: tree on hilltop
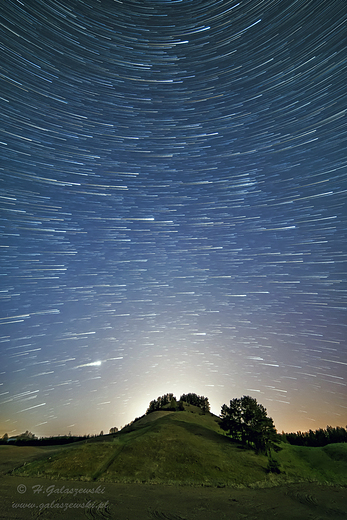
x=196 y=400
x=161 y=402
x=169 y=402
x=247 y=421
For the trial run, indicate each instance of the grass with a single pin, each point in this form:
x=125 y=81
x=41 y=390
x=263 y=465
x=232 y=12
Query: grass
x=186 y=448
x=179 y=451
x=327 y=464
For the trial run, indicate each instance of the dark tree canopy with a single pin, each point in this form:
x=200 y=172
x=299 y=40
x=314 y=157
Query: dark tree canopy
x=196 y=400
x=169 y=402
x=161 y=402
x=247 y=421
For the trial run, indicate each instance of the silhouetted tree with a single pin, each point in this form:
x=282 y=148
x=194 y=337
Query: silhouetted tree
x=196 y=400
x=169 y=402
x=247 y=421
x=28 y=435
x=161 y=402
x=152 y=407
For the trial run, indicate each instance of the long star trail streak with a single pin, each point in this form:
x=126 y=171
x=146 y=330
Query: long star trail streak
x=173 y=209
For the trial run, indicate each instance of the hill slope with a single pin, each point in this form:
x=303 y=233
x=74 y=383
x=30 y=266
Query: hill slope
x=188 y=448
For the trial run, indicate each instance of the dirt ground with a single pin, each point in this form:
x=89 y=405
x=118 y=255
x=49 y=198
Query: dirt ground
x=31 y=498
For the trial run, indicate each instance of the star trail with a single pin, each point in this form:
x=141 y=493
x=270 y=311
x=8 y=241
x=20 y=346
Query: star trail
x=173 y=209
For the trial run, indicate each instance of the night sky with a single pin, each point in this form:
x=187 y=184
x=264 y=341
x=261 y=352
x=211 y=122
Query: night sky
x=173 y=209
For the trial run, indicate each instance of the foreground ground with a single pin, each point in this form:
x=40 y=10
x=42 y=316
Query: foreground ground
x=47 y=499
x=31 y=498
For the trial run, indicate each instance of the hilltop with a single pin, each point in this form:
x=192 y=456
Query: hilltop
x=186 y=447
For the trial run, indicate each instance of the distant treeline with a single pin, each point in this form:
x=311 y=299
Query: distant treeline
x=317 y=438
x=170 y=403
x=45 y=441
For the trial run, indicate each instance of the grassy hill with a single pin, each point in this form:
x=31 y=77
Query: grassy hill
x=187 y=448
